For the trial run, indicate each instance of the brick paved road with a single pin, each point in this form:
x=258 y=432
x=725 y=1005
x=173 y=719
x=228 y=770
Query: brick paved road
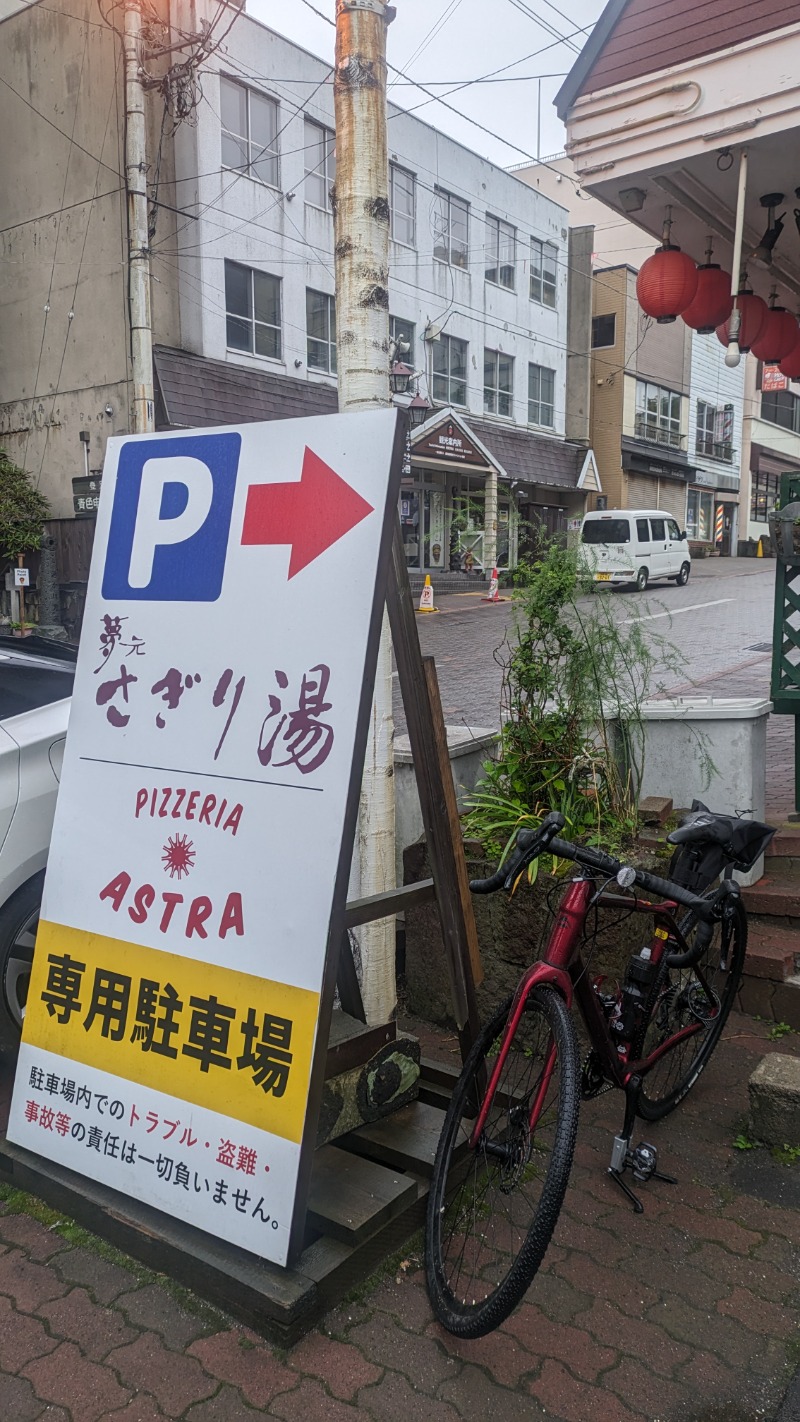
x=686 y=1312
x=725 y=608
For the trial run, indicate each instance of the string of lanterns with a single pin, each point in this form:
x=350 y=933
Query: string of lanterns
x=669 y=284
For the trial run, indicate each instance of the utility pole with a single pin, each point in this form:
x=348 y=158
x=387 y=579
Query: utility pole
x=361 y=217
x=138 y=237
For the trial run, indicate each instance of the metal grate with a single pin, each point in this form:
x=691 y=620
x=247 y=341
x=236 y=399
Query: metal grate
x=760 y=647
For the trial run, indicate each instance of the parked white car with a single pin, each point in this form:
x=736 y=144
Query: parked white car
x=36 y=679
x=623 y=546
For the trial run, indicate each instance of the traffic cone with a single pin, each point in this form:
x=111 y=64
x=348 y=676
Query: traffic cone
x=493 y=594
x=426 y=596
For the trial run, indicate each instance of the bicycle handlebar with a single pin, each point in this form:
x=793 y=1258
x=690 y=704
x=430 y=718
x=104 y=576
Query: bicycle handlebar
x=532 y=843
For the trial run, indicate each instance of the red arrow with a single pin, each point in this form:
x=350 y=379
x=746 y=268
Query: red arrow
x=311 y=515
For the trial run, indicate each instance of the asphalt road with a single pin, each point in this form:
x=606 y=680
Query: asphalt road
x=711 y=627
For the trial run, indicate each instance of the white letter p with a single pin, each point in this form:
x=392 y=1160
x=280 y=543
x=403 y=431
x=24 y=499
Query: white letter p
x=152 y=531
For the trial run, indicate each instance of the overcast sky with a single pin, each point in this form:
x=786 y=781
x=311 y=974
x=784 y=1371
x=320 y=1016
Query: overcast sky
x=460 y=41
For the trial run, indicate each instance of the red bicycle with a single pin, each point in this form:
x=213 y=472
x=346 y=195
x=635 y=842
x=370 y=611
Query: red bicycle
x=506 y=1148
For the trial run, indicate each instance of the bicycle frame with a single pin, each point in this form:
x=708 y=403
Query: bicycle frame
x=563 y=968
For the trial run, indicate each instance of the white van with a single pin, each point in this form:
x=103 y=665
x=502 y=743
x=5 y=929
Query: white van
x=634 y=546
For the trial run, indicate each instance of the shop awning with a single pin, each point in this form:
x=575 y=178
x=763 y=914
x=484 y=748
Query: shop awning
x=194 y=391
x=661 y=463
x=534 y=458
x=453 y=438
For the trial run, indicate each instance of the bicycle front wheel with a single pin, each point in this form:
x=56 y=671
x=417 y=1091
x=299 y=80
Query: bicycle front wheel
x=699 y=997
x=493 y=1207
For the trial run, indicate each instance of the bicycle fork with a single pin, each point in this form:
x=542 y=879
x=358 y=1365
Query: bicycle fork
x=642 y=1160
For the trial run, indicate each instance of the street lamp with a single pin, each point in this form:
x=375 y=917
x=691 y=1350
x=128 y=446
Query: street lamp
x=418 y=410
x=400 y=375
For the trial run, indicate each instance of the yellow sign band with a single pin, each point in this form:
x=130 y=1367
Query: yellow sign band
x=218 y=1038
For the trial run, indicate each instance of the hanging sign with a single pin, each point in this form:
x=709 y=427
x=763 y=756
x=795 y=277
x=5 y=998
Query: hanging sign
x=181 y=987
x=772 y=378
x=450 y=443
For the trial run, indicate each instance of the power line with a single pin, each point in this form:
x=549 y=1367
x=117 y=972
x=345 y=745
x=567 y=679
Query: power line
x=543 y=24
x=58 y=235
x=468 y=83
x=70 y=139
x=436 y=28
x=56 y=211
x=71 y=313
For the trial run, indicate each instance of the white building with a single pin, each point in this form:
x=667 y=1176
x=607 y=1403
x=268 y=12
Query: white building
x=243 y=282
x=478 y=291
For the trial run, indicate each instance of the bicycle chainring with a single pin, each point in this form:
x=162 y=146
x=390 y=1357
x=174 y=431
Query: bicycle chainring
x=593 y=1080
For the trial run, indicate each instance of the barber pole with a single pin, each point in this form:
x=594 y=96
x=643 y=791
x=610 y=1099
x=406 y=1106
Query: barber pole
x=718 y=524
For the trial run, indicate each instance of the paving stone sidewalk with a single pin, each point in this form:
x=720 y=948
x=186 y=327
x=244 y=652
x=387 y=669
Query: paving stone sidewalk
x=686 y=1312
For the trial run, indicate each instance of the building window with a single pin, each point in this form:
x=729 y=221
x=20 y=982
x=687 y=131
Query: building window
x=449 y=371
x=498 y=383
x=401 y=330
x=699 y=515
x=604 y=331
x=658 y=415
x=764 y=490
x=321 y=331
x=541 y=395
x=402 y=205
x=249 y=132
x=782 y=408
x=714 y=437
x=451 y=229
x=320 y=162
x=253 y=311
x=544 y=257
x=501 y=241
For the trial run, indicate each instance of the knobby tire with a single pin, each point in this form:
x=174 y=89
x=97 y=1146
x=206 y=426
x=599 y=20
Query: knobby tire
x=473 y=1192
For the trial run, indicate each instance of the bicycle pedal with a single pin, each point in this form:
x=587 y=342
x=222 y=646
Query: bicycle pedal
x=643 y=1162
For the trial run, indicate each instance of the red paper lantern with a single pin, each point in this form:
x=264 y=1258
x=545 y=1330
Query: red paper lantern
x=754 y=313
x=790 y=365
x=666 y=283
x=712 y=301
x=778 y=338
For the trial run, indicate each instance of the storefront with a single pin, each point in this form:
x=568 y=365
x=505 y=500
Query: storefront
x=470 y=490
x=455 y=514
x=766 y=467
x=473 y=491
x=657 y=479
x=712 y=512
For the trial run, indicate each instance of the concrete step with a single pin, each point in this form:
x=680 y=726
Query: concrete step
x=783 y=854
x=771 y=952
x=776 y=895
x=785 y=843
x=776 y=1002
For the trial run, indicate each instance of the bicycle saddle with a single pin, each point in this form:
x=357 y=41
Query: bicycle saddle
x=702 y=828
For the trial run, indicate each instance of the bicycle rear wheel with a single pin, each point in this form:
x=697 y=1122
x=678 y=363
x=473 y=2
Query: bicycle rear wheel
x=684 y=997
x=492 y=1209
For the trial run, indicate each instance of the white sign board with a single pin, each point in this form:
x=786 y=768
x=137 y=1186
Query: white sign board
x=22 y=577
x=205 y=820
